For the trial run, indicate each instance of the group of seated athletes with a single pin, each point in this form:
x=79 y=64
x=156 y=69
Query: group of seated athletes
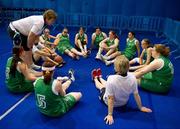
x=153 y=73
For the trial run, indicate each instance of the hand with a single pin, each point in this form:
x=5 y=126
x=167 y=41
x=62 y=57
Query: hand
x=144 y=109
x=54 y=54
x=109 y=119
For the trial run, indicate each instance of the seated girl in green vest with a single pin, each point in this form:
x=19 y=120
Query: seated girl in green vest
x=51 y=97
x=45 y=38
x=145 y=57
x=19 y=78
x=132 y=45
x=110 y=45
x=158 y=75
x=81 y=41
x=63 y=45
x=97 y=37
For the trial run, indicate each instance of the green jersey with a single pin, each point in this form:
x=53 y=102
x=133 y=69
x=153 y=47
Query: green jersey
x=64 y=40
x=47 y=101
x=130 y=50
x=165 y=75
x=110 y=42
x=99 y=38
x=17 y=82
x=145 y=56
x=81 y=37
x=46 y=39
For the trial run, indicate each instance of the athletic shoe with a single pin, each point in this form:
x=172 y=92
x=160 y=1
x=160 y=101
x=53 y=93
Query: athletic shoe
x=71 y=75
x=99 y=72
x=93 y=74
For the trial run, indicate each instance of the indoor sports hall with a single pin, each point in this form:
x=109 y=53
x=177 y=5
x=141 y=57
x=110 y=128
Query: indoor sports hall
x=156 y=20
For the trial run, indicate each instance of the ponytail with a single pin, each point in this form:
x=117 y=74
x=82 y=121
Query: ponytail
x=162 y=49
x=115 y=35
x=15 y=59
x=48 y=69
x=47 y=76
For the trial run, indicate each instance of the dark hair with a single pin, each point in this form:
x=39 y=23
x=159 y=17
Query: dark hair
x=132 y=33
x=148 y=43
x=98 y=28
x=82 y=28
x=114 y=33
x=162 y=49
x=65 y=28
x=47 y=74
x=50 y=14
x=15 y=59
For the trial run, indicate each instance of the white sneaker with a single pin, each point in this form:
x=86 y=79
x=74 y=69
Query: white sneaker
x=65 y=78
x=71 y=75
x=98 y=56
x=33 y=66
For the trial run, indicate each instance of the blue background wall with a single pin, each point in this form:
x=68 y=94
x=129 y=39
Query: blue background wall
x=163 y=8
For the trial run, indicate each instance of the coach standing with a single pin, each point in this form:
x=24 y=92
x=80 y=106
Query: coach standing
x=25 y=32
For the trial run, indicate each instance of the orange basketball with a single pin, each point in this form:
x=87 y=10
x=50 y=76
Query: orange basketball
x=58 y=59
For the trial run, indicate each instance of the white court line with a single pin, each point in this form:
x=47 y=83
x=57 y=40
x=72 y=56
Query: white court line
x=14 y=106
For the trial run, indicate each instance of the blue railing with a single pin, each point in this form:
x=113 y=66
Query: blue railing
x=169 y=27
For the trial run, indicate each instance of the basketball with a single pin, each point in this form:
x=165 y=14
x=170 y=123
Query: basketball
x=58 y=59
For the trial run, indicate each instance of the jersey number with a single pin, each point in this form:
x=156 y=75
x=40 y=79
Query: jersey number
x=7 y=73
x=41 y=101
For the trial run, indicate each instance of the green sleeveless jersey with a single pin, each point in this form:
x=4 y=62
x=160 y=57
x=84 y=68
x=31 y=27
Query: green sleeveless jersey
x=130 y=50
x=145 y=56
x=46 y=39
x=110 y=42
x=64 y=40
x=47 y=102
x=99 y=38
x=165 y=75
x=13 y=82
x=81 y=37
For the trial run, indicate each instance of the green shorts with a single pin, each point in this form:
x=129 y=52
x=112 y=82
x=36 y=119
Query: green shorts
x=69 y=101
x=64 y=47
x=27 y=86
x=151 y=84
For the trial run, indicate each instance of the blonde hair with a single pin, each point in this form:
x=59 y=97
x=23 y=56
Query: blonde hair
x=121 y=64
x=50 y=14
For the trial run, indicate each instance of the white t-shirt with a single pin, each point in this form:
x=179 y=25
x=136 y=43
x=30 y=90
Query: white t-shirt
x=29 y=24
x=120 y=87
